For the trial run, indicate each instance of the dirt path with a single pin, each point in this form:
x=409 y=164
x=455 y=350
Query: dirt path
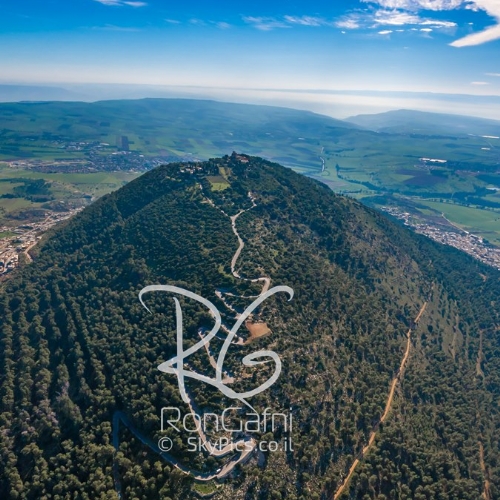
x=27 y=252
x=265 y=279
x=241 y=244
x=487 y=492
x=479 y=370
x=388 y=408
x=461 y=229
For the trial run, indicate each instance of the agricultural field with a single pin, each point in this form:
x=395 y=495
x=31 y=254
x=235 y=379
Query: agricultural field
x=482 y=222
x=24 y=191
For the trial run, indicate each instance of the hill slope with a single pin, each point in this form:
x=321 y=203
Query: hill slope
x=405 y=121
x=169 y=128
x=82 y=396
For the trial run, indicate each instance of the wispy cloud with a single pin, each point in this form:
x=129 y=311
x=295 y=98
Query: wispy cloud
x=112 y=27
x=121 y=3
x=438 y=24
x=491 y=7
x=479 y=83
x=197 y=22
x=394 y=18
x=200 y=22
x=269 y=23
x=265 y=23
x=488 y=35
x=385 y=32
x=377 y=18
x=367 y=19
x=492 y=74
x=308 y=21
x=350 y=22
x=416 y=5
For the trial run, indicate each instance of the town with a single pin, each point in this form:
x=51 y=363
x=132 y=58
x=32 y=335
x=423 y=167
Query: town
x=92 y=156
x=450 y=235
x=25 y=237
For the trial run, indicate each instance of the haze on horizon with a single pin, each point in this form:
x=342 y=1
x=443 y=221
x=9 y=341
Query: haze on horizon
x=302 y=55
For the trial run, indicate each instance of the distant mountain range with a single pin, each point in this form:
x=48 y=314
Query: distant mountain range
x=18 y=93
x=405 y=121
x=335 y=103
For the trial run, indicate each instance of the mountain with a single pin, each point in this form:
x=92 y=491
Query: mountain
x=405 y=121
x=381 y=373
x=16 y=93
x=167 y=128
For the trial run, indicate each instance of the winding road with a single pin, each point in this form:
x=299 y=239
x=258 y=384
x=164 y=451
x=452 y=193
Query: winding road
x=265 y=279
x=244 y=446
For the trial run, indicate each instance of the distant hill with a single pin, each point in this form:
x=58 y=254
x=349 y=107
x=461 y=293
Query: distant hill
x=16 y=93
x=375 y=306
x=156 y=109
x=418 y=122
x=174 y=128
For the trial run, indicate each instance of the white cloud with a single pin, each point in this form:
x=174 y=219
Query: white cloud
x=410 y=7
x=416 y=5
x=349 y=22
x=395 y=18
x=197 y=22
x=438 y=24
x=426 y=30
x=222 y=25
x=479 y=83
x=308 y=21
x=492 y=8
x=265 y=23
x=122 y=3
x=488 y=35
x=269 y=23
x=385 y=17
x=385 y=32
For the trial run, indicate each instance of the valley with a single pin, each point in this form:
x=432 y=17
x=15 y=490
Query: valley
x=425 y=165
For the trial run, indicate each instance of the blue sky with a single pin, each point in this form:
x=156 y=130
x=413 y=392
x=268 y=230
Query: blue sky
x=450 y=46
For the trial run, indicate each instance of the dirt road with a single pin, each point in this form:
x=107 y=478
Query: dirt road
x=388 y=408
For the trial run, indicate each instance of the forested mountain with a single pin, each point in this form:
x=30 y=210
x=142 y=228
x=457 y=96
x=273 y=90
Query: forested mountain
x=81 y=395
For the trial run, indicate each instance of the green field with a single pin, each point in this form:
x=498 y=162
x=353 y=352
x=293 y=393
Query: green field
x=75 y=189
x=218 y=183
x=485 y=223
